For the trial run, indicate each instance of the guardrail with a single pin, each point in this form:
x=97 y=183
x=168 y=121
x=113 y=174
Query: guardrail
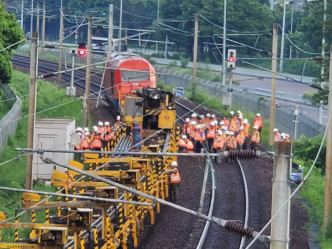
x=8 y=123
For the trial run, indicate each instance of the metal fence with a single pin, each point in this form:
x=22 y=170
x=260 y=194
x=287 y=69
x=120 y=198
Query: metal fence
x=284 y=116
x=8 y=123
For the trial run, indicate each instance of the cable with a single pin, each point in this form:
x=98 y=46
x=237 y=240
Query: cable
x=12 y=45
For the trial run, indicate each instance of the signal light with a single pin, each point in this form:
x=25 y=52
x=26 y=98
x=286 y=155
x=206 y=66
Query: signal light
x=81 y=49
x=231 y=58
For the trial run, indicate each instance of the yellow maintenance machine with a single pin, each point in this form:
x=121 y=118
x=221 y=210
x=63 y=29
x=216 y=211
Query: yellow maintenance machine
x=149 y=118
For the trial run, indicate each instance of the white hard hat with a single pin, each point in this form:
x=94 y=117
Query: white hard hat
x=255 y=127
x=107 y=123
x=222 y=123
x=184 y=137
x=198 y=126
x=231 y=112
x=201 y=116
x=227 y=133
x=245 y=121
x=193 y=122
x=283 y=135
x=241 y=128
x=219 y=132
x=215 y=122
x=174 y=164
x=86 y=129
x=287 y=135
x=79 y=129
x=238 y=112
x=100 y=123
x=213 y=116
x=95 y=129
x=275 y=130
x=258 y=115
x=194 y=115
x=212 y=123
x=208 y=115
x=187 y=120
x=87 y=133
x=118 y=118
x=223 y=127
x=231 y=133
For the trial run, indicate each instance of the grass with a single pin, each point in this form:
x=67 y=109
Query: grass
x=51 y=102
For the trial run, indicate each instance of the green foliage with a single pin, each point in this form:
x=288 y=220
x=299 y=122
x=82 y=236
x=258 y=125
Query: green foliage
x=184 y=62
x=306 y=148
x=10 y=33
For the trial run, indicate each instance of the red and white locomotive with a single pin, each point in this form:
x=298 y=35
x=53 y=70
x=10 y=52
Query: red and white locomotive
x=124 y=73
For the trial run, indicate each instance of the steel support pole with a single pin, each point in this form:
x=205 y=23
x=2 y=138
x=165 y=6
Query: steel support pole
x=43 y=26
x=282 y=39
x=120 y=28
x=22 y=12
x=110 y=30
x=61 y=46
x=37 y=17
x=328 y=162
x=88 y=73
x=195 y=54
x=224 y=46
x=280 y=196
x=31 y=19
x=32 y=108
x=273 y=82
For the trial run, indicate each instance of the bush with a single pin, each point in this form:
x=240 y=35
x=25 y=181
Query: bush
x=184 y=62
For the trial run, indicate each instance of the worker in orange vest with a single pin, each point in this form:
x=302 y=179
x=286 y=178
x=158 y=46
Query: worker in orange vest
x=258 y=122
x=174 y=181
x=219 y=142
x=182 y=143
x=255 y=138
x=210 y=135
x=240 y=139
x=193 y=132
x=189 y=144
x=286 y=139
x=231 y=141
x=118 y=123
x=277 y=137
x=246 y=129
x=96 y=143
x=233 y=124
x=199 y=138
x=185 y=127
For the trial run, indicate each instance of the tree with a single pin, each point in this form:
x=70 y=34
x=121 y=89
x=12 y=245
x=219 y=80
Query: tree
x=10 y=33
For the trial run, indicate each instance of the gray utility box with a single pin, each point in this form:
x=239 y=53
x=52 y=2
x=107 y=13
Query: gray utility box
x=53 y=134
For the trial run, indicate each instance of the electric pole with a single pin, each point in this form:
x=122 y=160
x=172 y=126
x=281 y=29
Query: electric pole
x=43 y=26
x=280 y=196
x=120 y=28
x=224 y=47
x=61 y=46
x=273 y=82
x=328 y=162
x=88 y=73
x=195 y=54
x=110 y=29
x=37 y=23
x=32 y=108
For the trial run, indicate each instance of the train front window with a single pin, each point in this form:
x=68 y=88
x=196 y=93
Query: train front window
x=130 y=75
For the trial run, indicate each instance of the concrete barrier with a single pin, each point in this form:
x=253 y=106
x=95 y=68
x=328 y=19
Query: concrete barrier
x=8 y=123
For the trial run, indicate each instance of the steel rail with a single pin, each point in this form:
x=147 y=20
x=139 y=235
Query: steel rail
x=246 y=194
x=213 y=194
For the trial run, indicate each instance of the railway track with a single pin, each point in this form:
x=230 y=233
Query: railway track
x=230 y=196
x=46 y=67
x=228 y=192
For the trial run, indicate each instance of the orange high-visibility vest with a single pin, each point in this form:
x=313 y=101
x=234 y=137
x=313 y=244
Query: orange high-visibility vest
x=255 y=137
x=277 y=137
x=231 y=143
x=189 y=145
x=175 y=177
x=246 y=128
x=240 y=137
x=192 y=132
x=218 y=143
x=258 y=122
x=211 y=132
x=200 y=135
x=182 y=143
x=85 y=143
x=232 y=125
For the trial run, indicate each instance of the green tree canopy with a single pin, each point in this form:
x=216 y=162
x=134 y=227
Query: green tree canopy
x=10 y=33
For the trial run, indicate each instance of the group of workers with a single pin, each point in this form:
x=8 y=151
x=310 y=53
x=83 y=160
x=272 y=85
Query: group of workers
x=98 y=137
x=233 y=133
x=280 y=137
